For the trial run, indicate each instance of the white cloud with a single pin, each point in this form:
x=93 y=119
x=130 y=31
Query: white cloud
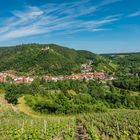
x=99 y=29
x=63 y=18
x=108 y=2
x=137 y=13
x=30 y=13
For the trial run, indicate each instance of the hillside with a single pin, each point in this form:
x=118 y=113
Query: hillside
x=129 y=63
x=51 y=59
x=17 y=124
x=68 y=109
x=128 y=70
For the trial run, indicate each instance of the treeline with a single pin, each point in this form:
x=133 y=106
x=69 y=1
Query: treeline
x=128 y=82
x=69 y=96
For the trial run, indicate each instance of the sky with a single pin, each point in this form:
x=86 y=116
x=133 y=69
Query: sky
x=100 y=26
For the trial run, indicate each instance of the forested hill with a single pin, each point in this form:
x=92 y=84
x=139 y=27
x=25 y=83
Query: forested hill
x=39 y=59
x=128 y=70
x=128 y=62
x=120 y=54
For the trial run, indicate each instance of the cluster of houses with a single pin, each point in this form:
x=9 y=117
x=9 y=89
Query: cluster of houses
x=4 y=75
x=86 y=73
x=7 y=76
x=80 y=76
x=23 y=79
x=85 y=68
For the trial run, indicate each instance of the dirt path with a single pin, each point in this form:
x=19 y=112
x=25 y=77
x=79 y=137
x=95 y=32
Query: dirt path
x=81 y=133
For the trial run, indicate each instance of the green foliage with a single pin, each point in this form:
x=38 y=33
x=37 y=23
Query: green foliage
x=35 y=59
x=16 y=126
x=128 y=70
x=128 y=82
x=69 y=96
x=74 y=96
x=11 y=94
x=103 y=124
x=114 y=124
x=59 y=104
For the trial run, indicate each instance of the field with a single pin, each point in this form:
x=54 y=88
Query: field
x=111 y=125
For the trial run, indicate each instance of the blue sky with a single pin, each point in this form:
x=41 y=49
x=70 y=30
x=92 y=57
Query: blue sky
x=101 y=26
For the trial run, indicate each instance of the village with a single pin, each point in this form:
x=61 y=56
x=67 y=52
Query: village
x=87 y=73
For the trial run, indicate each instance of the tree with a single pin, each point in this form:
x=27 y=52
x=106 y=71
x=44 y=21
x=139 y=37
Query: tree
x=11 y=94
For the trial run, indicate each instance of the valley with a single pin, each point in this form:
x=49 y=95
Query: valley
x=83 y=96
x=70 y=70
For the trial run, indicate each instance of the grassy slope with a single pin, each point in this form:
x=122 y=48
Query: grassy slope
x=22 y=107
x=96 y=124
x=23 y=123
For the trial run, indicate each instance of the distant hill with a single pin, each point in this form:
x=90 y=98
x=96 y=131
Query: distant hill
x=121 y=54
x=42 y=59
x=51 y=59
x=129 y=63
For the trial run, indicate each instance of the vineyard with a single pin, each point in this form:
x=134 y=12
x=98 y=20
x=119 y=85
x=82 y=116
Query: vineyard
x=122 y=125
x=21 y=127
x=111 y=125
x=15 y=125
